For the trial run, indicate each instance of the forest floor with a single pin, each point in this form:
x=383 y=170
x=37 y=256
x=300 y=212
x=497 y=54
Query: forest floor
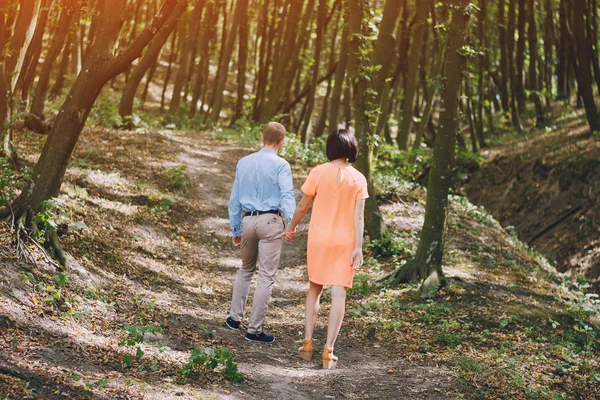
x=546 y=183
x=144 y=219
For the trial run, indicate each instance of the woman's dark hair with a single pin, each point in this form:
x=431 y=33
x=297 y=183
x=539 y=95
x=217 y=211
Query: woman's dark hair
x=342 y=144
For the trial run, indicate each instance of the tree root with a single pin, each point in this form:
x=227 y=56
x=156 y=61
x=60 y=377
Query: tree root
x=23 y=237
x=414 y=272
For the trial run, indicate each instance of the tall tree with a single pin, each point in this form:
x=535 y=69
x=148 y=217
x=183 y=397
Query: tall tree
x=533 y=81
x=216 y=103
x=12 y=55
x=426 y=266
x=410 y=84
x=100 y=66
x=362 y=102
x=583 y=73
x=149 y=58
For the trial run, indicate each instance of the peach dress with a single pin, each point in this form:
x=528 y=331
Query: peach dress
x=331 y=233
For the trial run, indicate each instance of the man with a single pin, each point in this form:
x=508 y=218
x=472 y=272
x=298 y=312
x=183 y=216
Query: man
x=261 y=200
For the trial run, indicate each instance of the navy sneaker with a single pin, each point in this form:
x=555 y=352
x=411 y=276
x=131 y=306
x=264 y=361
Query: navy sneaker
x=260 y=338
x=232 y=324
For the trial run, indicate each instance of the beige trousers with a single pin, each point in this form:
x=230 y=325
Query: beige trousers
x=261 y=244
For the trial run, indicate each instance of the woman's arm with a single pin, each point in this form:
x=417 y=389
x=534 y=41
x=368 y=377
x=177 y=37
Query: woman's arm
x=359 y=227
x=301 y=210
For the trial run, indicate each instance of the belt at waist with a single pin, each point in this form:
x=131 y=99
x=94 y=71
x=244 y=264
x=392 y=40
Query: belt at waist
x=252 y=213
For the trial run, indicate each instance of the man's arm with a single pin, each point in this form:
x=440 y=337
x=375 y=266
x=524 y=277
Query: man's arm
x=286 y=188
x=235 y=209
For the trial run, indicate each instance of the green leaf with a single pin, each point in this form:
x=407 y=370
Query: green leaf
x=139 y=353
x=503 y=324
x=127 y=359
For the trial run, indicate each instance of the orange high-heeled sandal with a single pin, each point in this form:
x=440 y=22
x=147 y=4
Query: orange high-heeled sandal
x=306 y=351
x=329 y=360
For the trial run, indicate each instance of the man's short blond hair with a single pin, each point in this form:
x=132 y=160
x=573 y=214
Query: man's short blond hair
x=273 y=133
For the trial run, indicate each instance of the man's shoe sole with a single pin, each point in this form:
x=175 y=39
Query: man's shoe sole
x=258 y=341
x=231 y=327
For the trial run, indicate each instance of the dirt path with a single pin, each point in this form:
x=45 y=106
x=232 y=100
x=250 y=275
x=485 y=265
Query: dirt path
x=367 y=368
x=181 y=267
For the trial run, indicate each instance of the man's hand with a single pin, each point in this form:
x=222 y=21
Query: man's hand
x=357 y=258
x=236 y=240
x=290 y=233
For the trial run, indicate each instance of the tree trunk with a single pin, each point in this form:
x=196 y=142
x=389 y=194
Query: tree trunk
x=362 y=116
x=186 y=53
x=11 y=61
x=504 y=73
x=100 y=66
x=338 y=86
x=62 y=69
x=583 y=73
x=510 y=47
x=412 y=74
x=427 y=263
x=32 y=57
x=548 y=56
x=483 y=61
x=563 y=53
x=172 y=55
x=321 y=19
x=242 y=64
x=149 y=58
x=520 y=58
x=58 y=41
x=533 y=73
x=207 y=36
x=223 y=72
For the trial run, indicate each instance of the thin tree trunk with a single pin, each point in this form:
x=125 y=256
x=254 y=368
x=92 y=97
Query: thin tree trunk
x=504 y=60
x=321 y=20
x=338 y=86
x=149 y=59
x=206 y=36
x=520 y=96
x=216 y=103
x=426 y=266
x=62 y=69
x=584 y=75
x=34 y=50
x=364 y=128
x=58 y=41
x=11 y=61
x=412 y=74
x=510 y=47
x=533 y=73
x=100 y=66
x=242 y=64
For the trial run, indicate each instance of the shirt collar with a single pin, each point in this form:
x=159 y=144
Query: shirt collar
x=268 y=150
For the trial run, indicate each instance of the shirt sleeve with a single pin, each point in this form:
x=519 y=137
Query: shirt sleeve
x=235 y=208
x=286 y=188
x=310 y=185
x=363 y=191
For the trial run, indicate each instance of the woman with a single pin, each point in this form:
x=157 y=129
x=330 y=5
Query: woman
x=335 y=235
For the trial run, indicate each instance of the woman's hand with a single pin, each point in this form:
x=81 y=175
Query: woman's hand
x=290 y=233
x=357 y=258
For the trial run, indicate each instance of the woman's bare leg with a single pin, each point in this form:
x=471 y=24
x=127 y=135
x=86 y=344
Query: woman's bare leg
x=311 y=309
x=336 y=314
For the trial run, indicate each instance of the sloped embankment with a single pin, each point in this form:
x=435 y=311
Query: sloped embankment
x=547 y=185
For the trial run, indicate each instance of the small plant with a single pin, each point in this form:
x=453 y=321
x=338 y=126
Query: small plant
x=178 y=179
x=207 y=358
x=134 y=335
x=164 y=207
x=449 y=339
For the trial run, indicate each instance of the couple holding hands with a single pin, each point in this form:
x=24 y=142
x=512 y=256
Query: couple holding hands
x=262 y=204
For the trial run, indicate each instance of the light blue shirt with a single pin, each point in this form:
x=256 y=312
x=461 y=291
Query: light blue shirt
x=263 y=182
